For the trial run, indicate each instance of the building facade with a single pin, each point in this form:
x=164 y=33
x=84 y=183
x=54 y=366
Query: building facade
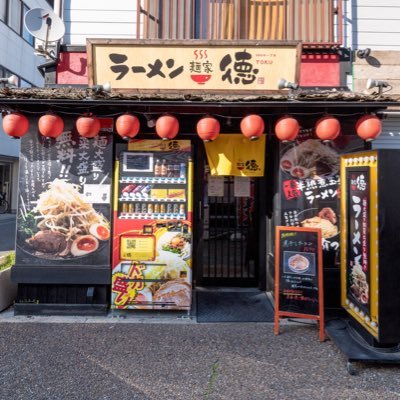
x=233 y=234
x=17 y=57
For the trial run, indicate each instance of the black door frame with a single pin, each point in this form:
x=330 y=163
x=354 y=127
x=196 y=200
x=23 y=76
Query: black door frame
x=198 y=230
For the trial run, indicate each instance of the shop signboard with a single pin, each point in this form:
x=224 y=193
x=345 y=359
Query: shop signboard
x=64 y=211
x=359 y=242
x=298 y=275
x=175 y=66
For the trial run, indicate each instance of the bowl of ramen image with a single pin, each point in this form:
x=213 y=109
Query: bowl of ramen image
x=298 y=264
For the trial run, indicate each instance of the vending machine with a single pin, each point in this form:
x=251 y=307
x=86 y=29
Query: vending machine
x=152 y=236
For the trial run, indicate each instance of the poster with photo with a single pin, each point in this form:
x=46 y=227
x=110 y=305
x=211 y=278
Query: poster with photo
x=358 y=246
x=309 y=186
x=64 y=199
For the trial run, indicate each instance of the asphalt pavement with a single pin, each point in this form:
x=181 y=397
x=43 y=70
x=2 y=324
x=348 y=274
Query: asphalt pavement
x=112 y=358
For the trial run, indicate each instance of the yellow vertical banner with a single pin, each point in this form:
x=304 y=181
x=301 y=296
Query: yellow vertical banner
x=235 y=155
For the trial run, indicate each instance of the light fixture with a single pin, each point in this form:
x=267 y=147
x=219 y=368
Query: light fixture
x=151 y=122
x=11 y=80
x=284 y=84
x=371 y=83
x=105 y=87
x=363 y=53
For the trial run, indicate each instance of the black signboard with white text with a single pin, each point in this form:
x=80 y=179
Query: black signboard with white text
x=358 y=246
x=298 y=274
x=64 y=199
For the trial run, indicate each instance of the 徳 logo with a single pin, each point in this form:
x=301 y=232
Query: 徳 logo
x=359 y=183
x=252 y=165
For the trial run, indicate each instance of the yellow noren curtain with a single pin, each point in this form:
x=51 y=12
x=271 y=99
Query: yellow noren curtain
x=235 y=155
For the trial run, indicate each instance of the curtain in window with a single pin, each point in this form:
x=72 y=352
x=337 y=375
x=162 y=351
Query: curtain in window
x=250 y=19
x=307 y=20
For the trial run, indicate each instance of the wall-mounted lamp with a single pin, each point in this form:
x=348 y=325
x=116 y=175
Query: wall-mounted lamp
x=371 y=83
x=151 y=122
x=105 y=87
x=363 y=53
x=284 y=84
x=11 y=80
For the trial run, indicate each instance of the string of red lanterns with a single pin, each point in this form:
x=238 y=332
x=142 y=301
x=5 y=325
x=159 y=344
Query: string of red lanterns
x=368 y=127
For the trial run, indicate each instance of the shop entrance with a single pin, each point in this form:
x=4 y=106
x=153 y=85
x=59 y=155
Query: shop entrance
x=228 y=243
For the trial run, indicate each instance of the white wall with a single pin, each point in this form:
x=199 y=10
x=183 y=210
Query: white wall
x=376 y=24
x=98 y=19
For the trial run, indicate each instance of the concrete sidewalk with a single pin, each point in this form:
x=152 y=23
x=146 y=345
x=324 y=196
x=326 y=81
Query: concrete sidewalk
x=180 y=361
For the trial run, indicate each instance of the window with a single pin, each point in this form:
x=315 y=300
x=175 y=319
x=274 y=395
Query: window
x=5 y=73
x=25 y=34
x=12 y=12
x=3 y=10
x=311 y=21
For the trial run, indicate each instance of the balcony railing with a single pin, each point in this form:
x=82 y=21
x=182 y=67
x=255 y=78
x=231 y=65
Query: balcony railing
x=314 y=22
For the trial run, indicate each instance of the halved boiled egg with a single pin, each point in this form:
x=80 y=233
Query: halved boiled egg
x=300 y=172
x=100 y=231
x=83 y=245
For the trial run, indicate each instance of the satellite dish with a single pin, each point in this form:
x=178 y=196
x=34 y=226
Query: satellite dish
x=44 y=25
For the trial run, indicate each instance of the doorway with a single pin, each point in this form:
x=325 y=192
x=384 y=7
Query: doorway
x=228 y=219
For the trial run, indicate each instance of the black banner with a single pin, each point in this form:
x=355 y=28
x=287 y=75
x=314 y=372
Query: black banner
x=309 y=181
x=298 y=271
x=358 y=208
x=65 y=199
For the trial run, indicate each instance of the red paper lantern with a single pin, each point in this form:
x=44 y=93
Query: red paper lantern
x=369 y=127
x=15 y=125
x=127 y=126
x=287 y=128
x=167 y=127
x=51 y=125
x=252 y=126
x=208 y=129
x=88 y=126
x=327 y=128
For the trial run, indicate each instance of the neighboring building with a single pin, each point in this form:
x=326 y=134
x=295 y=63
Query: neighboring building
x=17 y=57
x=374 y=37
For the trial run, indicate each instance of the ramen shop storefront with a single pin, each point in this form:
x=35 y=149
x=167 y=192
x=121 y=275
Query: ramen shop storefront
x=111 y=216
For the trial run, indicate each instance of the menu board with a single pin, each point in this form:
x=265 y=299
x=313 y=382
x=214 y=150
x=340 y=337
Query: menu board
x=64 y=199
x=298 y=274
